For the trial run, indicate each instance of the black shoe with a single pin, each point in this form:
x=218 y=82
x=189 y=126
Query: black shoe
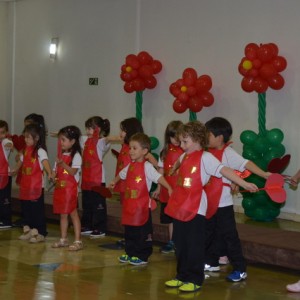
x=86 y=231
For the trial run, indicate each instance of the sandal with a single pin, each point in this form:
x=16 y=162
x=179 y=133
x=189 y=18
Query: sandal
x=76 y=246
x=61 y=243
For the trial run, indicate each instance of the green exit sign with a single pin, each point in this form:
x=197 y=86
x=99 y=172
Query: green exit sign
x=93 y=81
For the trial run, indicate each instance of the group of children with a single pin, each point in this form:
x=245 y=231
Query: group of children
x=194 y=175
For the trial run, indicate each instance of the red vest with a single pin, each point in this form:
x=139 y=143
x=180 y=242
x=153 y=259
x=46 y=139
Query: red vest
x=66 y=188
x=3 y=168
x=91 y=165
x=32 y=176
x=173 y=154
x=135 y=209
x=122 y=162
x=185 y=200
x=214 y=187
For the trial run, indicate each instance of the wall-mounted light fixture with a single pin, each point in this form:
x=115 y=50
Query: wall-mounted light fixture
x=53 y=48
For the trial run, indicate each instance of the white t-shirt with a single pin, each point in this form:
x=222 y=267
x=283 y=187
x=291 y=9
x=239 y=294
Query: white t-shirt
x=102 y=149
x=234 y=161
x=5 y=150
x=42 y=155
x=76 y=164
x=209 y=166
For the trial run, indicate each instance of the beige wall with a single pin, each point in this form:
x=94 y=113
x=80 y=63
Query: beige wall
x=96 y=35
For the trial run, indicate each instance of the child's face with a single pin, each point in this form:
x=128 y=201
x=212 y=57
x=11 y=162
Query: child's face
x=188 y=145
x=3 y=133
x=66 y=144
x=174 y=141
x=89 y=131
x=136 y=152
x=215 y=141
x=122 y=134
x=29 y=140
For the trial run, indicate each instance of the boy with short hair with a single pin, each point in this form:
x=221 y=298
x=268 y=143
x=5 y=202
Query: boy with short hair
x=136 y=207
x=220 y=223
x=6 y=147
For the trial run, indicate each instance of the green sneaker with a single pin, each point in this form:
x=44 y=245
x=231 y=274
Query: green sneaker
x=189 y=287
x=124 y=258
x=174 y=283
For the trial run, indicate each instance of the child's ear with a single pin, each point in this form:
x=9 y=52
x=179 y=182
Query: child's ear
x=145 y=151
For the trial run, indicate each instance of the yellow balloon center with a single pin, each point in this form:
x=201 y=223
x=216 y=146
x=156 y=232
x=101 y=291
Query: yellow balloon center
x=183 y=88
x=247 y=64
x=128 y=69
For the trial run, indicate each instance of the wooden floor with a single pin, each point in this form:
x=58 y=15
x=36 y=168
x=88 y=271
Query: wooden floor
x=31 y=272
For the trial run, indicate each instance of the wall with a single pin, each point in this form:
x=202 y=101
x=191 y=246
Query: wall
x=209 y=35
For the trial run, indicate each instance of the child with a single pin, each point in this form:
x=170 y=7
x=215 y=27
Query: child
x=33 y=162
x=220 y=225
x=168 y=156
x=40 y=122
x=128 y=128
x=187 y=205
x=294 y=287
x=66 y=176
x=5 y=178
x=136 y=208
x=94 y=211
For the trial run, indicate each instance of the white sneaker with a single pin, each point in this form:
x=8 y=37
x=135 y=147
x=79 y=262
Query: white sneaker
x=211 y=268
x=294 y=288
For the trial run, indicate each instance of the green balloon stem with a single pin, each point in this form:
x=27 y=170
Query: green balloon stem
x=193 y=116
x=262 y=114
x=139 y=105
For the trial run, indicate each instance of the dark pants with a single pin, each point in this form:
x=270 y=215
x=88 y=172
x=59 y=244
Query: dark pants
x=94 y=211
x=5 y=204
x=221 y=230
x=34 y=214
x=189 y=239
x=138 y=240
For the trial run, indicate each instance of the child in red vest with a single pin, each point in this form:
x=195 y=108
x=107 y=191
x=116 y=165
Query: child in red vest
x=136 y=208
x=220 y=225
x=168 y=156
x=33 y=162
x=188 y=203
x=66 y=175
x=94 y=210
x=6 y=147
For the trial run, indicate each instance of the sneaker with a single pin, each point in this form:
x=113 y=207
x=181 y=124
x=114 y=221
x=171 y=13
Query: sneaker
x=223 y=260
x=5 y=226
x=96 y=234
x=86 y=231
x=174 y=283
x=124 y=258
x=294 y=288
x=121 y=243
x=236 y=276
x=168 y=248
x=26 y=233
x=211 y=268
x=189 y=287
x=136 y=261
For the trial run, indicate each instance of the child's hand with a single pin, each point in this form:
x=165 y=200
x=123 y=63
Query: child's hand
x=155 y=194
x=59 y=162
x=112 y=185
x=170 y=191
x=12 y=172
x=251 y=187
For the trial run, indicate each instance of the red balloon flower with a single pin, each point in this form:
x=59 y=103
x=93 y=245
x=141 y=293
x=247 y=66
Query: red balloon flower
x=260 y=68
x=138 y=72
x=191 y=92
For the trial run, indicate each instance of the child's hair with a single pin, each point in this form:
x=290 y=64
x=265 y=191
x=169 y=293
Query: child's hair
x=97 y=121
x=72 y=133
x=170 y=132
x=38 y=136
x=143 y=139
x=131 y=126
x=196 y=131
x=3 y=124
x=38 y=120
x=219 y=126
